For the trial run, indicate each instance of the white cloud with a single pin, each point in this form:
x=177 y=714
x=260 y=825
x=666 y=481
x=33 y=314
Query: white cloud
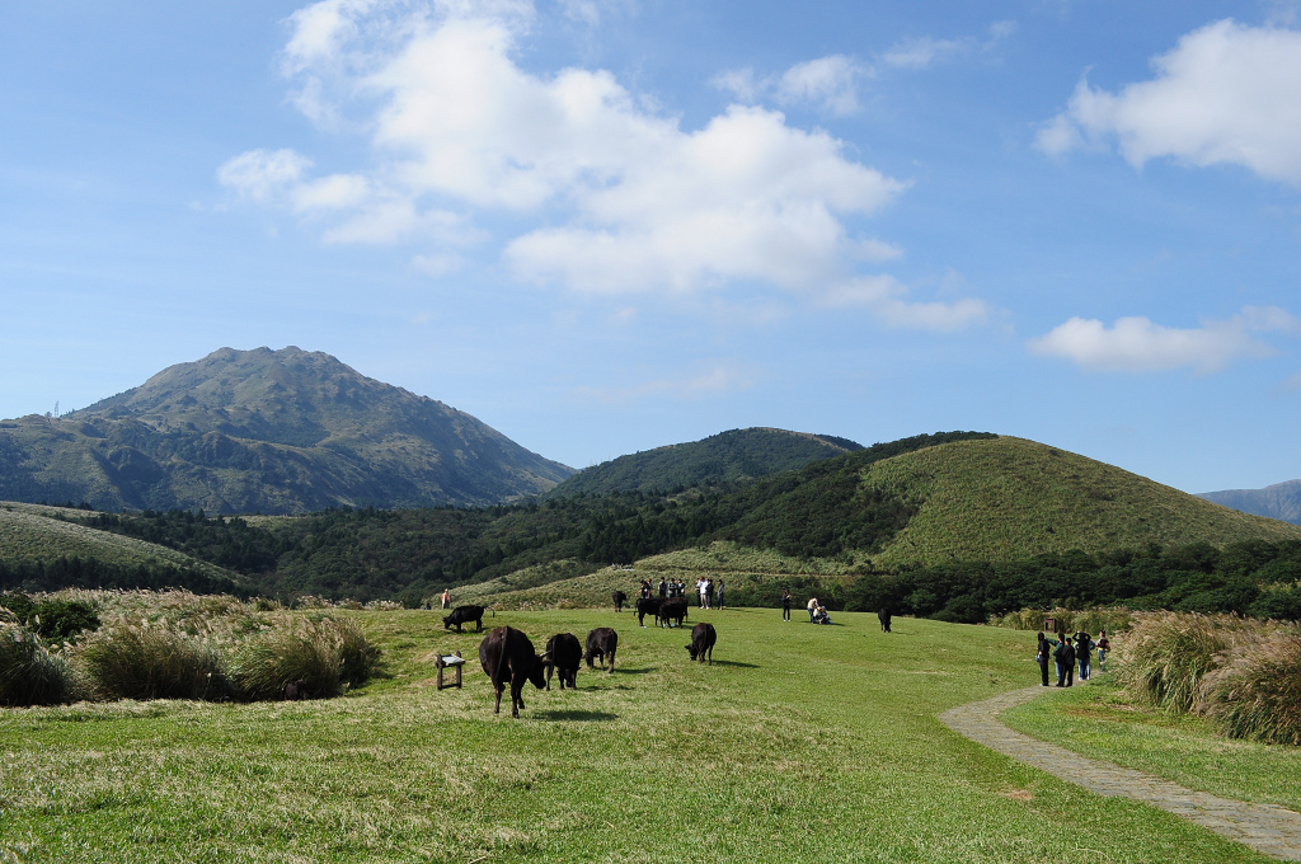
x=887 y=297
x=828 y=84
x=1226 y=94
x=263 y=174
x=1136 y=344
x=925 y=51
x=605 y=195
x=831 y=82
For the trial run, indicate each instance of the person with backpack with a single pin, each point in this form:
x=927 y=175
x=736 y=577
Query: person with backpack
x=1042 y=653
x=1083 y=647
x=1065 y=657
x=1103 y=647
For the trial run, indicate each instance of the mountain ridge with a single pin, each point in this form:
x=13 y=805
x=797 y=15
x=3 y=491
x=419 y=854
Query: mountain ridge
x=272 y=431
x=1277 y=501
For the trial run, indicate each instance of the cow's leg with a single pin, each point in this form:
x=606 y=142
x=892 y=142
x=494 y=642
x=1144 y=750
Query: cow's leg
x=499 y=685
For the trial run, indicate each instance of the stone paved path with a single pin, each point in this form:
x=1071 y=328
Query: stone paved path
x=1274 y=831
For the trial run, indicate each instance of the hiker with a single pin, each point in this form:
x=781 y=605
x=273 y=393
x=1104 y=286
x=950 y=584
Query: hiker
x=1083 y=645
x=1065 y=657
x=720 y=593
x=786 y=604
x=813 y=607
x=1103 y=647
x=447 y=599
x=1041 y=656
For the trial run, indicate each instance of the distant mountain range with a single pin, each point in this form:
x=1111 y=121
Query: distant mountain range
x=1280 y=501
x=263 y=431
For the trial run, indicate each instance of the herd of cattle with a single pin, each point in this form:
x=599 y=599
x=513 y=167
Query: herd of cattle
x=508 y=658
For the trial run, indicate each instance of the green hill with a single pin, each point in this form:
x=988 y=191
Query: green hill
x=735 y=456
x=1008 y=498
x=266 y=431
x=41 y=548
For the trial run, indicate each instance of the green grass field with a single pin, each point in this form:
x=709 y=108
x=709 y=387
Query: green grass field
x=800 y=743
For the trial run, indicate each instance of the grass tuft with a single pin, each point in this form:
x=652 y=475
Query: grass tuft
x=1256 y=694
x=30 y=674
x=141 y=660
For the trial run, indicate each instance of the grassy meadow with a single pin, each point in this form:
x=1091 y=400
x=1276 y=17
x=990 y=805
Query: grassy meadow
x=800 y=743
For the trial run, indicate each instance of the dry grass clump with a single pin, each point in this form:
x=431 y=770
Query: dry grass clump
x=145 y=660
x=1165 y=655
x=1243 y=674
x=179 y=645
x=321 y=656
x=1256 y=693
x=29 y=673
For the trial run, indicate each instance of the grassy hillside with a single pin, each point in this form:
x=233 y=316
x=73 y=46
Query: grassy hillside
x=729 y=457
x=1008 y=498
x=39 y=543
x=31 y=532
x=799 y=744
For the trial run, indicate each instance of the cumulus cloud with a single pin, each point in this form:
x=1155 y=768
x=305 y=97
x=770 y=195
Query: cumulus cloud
x=605 y=195
x=1136 y=344
x=1226 y=94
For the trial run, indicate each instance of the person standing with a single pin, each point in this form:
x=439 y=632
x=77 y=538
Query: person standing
x=447 y=599
x=1083 y=647
x=720 y=593
x=709 y=592
x=1103 y=647
x=813 y=608
x=1065 y=657
x=664 y=588
x=1041 y=657
x=786 y=604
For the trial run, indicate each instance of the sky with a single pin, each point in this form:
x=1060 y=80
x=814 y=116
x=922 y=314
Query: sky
x=603 y=226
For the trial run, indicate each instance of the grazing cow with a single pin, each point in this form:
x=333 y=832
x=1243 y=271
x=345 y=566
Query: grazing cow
x=647 y=606
x=675 y=609
x=620 y=598
x=464 y=615
x=884 y=617
x=601 y=643
x=703 y=638
x=506 y=655
x=297 y=690
x=563 y=654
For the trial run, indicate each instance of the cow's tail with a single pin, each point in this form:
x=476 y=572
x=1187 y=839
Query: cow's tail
x=501 y=653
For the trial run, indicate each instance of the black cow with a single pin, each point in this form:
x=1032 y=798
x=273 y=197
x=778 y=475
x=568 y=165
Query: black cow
x=703 y=638
x=563 y=654
x=506 y=655
x=620 y=598
x=674 y=609
x=884 y=617
x=601 y=643
x=464 y=615
x=647 y=606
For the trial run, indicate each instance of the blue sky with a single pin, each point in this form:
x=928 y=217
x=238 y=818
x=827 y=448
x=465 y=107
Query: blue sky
x=601 y=226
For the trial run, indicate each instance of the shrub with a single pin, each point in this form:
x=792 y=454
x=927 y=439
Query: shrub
x=1166 y=655
x=140 y=660
x=1256 y=694
x=29 y=674
x=1112 y=619
x=324 y=654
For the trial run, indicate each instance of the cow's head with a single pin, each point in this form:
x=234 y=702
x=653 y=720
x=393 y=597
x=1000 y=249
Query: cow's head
x=691 y=649
x=538 y=670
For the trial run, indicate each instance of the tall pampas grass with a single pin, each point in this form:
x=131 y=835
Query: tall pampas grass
x=29 y=673
x=1256 y=692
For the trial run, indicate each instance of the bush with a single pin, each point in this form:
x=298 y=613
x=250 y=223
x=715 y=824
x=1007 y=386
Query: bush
x=29 y=674
x=1256 y=694
x=139 y=660
x=1113 y=620
x=323 y=654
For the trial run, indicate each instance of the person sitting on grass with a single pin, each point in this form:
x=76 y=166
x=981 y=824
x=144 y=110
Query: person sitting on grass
x=820 y=615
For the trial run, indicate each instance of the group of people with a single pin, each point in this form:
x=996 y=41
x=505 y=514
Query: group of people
x=712 y=594
x=1066 y=651
x=817 y=612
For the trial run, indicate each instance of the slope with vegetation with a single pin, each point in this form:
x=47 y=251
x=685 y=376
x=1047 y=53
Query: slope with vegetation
x=729 y=457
